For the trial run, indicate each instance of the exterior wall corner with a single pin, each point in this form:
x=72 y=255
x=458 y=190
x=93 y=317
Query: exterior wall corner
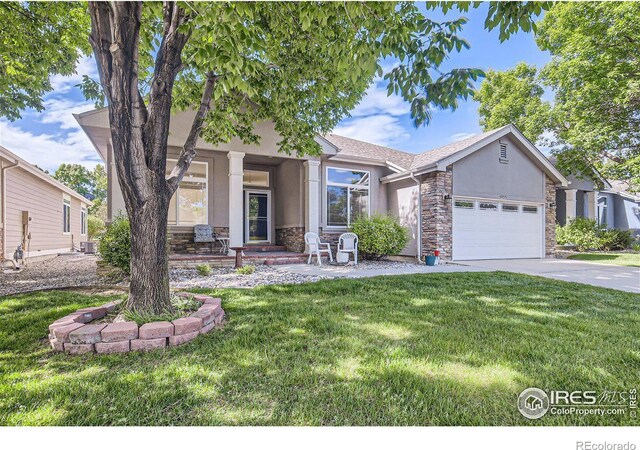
x=437 y=221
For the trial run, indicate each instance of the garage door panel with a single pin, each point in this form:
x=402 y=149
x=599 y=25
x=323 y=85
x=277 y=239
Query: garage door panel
x=496 y=234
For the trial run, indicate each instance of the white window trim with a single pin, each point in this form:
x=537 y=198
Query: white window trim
x=84 y=218
x=66 y=201
x=347 y=185
x=247 y=192
x=205 y=180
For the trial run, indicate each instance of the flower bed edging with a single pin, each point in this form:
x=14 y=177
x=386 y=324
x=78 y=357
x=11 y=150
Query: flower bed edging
x=76 y=335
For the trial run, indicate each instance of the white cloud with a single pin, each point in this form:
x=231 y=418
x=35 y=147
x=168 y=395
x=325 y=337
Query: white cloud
x=376 y=101
x=49 y=151
x=460 y=136
x=378 y=129
x=60 y=111
x=62 y=84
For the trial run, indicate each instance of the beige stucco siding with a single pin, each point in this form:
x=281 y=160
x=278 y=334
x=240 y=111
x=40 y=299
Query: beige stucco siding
x=402 y=201
x=289 y=194
x=25 y=192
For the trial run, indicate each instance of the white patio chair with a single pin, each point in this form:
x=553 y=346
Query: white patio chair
x=348 y=243
x=316 y=247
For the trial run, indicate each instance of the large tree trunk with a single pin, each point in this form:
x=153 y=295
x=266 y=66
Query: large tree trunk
x=149 y=287
x=139 y=137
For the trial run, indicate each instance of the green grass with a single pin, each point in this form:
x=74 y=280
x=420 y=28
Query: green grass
x=439 y=349
x=619 y=259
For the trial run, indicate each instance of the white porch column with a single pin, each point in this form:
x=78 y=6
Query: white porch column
x=571 y=204
x=592 y=205
x=312 y=196
x=236 y=238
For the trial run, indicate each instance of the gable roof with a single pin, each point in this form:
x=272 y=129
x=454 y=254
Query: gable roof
x=621 y=188
x=407 y=164
x=33 y=170
x=360 y=149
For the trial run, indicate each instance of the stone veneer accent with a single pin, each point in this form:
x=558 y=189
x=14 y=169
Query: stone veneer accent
x=550 y=219
x=291 y=237
x=437 y=219
x=182 y=241
x=74 y=334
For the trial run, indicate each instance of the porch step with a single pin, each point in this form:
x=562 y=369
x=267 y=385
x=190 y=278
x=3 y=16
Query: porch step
x=265 y=248
x=253 y=258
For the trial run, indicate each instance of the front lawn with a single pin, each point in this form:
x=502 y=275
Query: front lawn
x=619 y=259
x=438 y=349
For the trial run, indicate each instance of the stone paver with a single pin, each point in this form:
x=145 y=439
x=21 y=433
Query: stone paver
x=78 y=349
x=187 y=325
x=148 y=344
x=62 y=333
x=206 y=313
x=182 y=338
x=156 y=330
x=205 y=329
x=93 y=313
x=87 y=334
x=113 y=347
x=120 y=331
x=56 y=345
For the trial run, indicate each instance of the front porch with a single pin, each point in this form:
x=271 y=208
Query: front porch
x=271 y=255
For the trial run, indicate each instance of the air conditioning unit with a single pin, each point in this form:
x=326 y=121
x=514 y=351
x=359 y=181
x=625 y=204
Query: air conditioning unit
x=88 y=247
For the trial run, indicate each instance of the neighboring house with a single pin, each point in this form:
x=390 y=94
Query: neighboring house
x=37 y=212
x=489 y=196
x=618 y=208
x=593 y=197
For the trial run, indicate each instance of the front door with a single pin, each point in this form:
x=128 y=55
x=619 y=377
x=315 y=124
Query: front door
x=257 y=217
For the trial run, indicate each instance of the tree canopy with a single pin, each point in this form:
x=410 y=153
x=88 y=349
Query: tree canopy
x=595 y=81
x=90 y=184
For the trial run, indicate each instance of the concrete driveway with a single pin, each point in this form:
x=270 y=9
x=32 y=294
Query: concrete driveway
x=604 y=275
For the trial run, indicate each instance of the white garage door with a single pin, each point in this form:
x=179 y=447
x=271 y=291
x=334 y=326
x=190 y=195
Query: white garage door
x=497 y=229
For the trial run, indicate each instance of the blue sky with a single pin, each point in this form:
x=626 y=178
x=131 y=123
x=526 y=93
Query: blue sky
x=53 y=137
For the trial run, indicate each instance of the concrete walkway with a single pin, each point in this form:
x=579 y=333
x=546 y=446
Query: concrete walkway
x=610 y=276
x=362 y=270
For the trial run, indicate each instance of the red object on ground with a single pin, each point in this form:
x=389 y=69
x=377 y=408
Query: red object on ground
x=238 y=251
x=436 y=253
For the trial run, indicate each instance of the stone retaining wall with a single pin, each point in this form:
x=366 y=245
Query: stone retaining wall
x=181 y=241
x=76 y=335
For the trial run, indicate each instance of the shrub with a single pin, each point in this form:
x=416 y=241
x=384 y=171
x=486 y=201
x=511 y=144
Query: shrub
x=95 y=227
x=615 y=239
x=204 y=269
x=114 y=245
x=582 y=232
x=586 y=234
x=379 y=236
x=635 y=247
x=245 y=270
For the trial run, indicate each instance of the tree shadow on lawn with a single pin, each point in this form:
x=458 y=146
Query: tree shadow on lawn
x=445 y=349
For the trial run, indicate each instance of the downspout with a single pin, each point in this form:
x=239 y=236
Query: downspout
x=419 y=246
x=3 y=208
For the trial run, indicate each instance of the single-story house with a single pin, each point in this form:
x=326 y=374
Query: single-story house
x=607 y=202
x=488 y=196
x=618 y=208
x=37 y=212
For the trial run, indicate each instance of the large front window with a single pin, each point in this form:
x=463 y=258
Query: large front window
x=188 y=205
x=347 y=196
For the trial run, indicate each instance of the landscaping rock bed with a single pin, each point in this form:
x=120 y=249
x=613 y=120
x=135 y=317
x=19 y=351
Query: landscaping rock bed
x=228 y=278
x=76 y=334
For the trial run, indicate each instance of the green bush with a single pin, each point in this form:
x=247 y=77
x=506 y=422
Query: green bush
x=615 y=239
x=95 y=227
x=114 y=245
x=245 y=270
x=379 y=236
x=586 y=234
x=204 y=269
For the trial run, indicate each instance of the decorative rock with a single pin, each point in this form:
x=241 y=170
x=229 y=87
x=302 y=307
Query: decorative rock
x=121 y=331
x=205 y=329
x=62 y=333
x=182 y=338
x=112 y=347
x=154 y=330
x=78 y=349
x=89 y=314
x=187 y=325
x=87 y=334
x=56 y=345
x=148 y=344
